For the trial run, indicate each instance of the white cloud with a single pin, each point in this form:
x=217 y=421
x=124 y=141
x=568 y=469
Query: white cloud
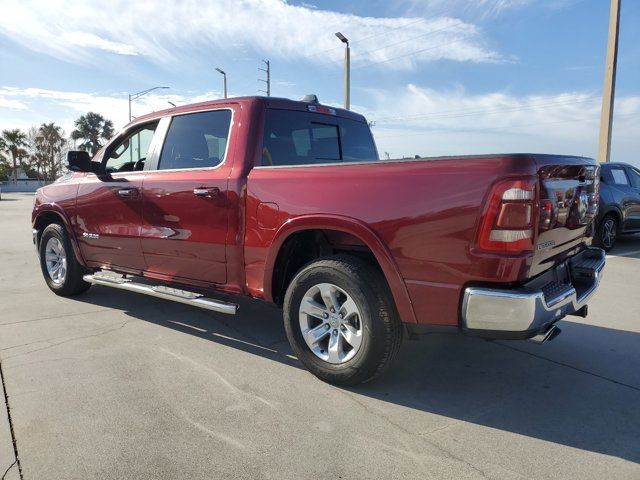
x=174 y=29
x=429 y=122
x=12 y=104
x=64 y=107
x=410 y=120
x=472 y=8
x=90 y=40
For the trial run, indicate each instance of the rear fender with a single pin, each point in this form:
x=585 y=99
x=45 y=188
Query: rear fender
x=357 y=229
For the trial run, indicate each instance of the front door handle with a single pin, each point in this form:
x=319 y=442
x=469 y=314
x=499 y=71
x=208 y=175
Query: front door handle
x=128 y=192
x=206 y=191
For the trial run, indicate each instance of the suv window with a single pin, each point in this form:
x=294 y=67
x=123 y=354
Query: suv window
x=619 y=177
x=196 y=140
x=634 y=175
x=304 y=138
x=131 y=152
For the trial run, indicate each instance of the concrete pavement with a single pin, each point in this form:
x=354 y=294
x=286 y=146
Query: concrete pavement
x=112 y=385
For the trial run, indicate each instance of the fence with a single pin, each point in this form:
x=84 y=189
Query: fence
x=22 y=186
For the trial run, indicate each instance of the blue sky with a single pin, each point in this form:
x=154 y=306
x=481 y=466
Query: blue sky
x=437 y=77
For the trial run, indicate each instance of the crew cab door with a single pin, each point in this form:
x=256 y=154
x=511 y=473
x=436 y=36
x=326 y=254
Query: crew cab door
x=185 y=199
x=109 y=204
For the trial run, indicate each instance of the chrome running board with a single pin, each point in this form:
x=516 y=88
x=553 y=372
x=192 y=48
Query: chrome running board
x=167 y=293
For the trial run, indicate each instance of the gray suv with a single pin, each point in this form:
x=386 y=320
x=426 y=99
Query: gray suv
x=619 y=203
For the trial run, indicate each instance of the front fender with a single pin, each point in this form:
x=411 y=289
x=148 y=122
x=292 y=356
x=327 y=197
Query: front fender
x=353 y=227
x=44 y=213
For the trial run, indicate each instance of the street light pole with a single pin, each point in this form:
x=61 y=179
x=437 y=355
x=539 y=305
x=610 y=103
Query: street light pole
x=134 y=96
x=347 y=70
x=609 y=90
x=224 y=76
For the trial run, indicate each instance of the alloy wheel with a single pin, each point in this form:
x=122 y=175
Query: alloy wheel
x=331 y=324
x=55 y=260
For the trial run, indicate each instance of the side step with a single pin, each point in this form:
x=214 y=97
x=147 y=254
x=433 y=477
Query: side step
x=167 y=293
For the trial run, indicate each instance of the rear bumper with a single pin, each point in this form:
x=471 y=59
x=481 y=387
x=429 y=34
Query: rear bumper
x=526 y=311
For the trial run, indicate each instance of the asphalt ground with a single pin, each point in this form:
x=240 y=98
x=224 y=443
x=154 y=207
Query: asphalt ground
x=114 y=385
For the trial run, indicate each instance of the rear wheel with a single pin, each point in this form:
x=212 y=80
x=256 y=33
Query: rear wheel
x=607 y=232
x=60 y=268
x=341 y=321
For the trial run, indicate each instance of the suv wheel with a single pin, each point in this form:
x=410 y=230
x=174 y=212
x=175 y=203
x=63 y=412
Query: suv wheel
x=608 y=232
x=58 y=262
x=341 y=321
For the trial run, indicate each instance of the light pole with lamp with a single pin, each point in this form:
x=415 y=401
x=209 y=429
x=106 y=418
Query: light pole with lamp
x=133 y=96
x=224 y=76
x=347 y=67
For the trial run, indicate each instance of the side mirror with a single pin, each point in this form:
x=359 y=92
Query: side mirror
x=79 y=161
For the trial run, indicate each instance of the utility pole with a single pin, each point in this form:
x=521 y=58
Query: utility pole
x=347 y=68
x=224 y=76
x=609 y=90
x=268 y=80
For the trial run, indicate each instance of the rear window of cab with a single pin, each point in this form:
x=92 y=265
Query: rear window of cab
x=305 y=138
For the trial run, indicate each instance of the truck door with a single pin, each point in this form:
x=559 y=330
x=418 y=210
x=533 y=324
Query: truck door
x=109 y=205
x=185 y=199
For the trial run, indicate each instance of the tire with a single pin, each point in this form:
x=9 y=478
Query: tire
x=353 y=349
x=67 y=280
x=607 y=232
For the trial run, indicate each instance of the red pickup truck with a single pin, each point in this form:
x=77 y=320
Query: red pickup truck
x=287 y=201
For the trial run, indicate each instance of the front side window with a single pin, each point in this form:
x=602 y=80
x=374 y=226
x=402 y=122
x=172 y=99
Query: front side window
x=634 y=175
x=304 y=138
x=129 y=154
x=196 y=140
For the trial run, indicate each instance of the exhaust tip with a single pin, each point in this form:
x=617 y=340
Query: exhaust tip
x=547 y=336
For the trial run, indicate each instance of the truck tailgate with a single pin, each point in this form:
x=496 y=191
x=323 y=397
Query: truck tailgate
x=568 y=203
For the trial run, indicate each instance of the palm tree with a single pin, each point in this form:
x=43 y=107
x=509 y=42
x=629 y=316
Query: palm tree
x=13 y=141
x=50 y=140
x=92 y=128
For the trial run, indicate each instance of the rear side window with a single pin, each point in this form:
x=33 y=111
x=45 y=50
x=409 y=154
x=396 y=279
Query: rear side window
x=304 y=138
x=615 y=176
x=196 y=140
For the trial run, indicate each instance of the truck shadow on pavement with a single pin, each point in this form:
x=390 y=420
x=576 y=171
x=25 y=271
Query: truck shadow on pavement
x=581 y=390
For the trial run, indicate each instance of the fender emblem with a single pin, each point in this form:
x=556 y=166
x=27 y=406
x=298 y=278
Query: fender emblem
x=94 y=236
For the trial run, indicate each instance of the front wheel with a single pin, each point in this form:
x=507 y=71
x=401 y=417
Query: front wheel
x=341 y=320
x=60 y=268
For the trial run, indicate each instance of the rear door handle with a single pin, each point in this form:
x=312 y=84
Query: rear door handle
x=128 y=192
x=206 y=191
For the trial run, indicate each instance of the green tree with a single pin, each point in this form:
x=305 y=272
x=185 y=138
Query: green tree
x=48 y=146
x=92 y=128
x=5 y=167
x=13 y=141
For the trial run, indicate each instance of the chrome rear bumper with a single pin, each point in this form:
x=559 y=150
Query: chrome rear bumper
x=525 y=311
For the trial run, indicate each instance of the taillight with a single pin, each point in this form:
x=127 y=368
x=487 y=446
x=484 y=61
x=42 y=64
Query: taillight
x=507 y=224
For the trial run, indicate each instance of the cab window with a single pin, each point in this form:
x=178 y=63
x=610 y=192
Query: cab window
x=130 y=153
x=196 y=140
x=294 y=137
